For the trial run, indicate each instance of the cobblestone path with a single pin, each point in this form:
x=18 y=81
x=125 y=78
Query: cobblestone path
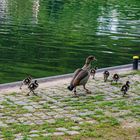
x=56 y=114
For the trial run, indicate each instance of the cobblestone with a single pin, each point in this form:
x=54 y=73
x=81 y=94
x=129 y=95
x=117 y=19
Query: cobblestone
x=58 y=113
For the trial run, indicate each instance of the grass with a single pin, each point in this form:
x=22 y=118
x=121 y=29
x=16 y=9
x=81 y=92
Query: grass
x=46 y=106
x=13 y=94
x=7 y=134
x=35 y=98
x=64 y=123
x=118 y=84
x=138 y=130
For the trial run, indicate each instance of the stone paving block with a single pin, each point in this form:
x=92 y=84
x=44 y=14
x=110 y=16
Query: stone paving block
x=37 y=106
x=20 y=103
x=75 y=128
x=28 y=123
x=61 y=129
x=76 y=119
x=1 y=106
x=29 y=108
x=42 y=102
x=72 y=132
x=52 y=113
x=2 y=124
x=28 y=115
x=34 y=131
x=47 y=134
x=58 y=116
x=58 y=133
x=33 y=135
x=9 y=121
x=39 y=122
x=51 y=121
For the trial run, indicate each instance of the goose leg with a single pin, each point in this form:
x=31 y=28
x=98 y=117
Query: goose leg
x=87 y=91
x=93 y=76
x=124 y=93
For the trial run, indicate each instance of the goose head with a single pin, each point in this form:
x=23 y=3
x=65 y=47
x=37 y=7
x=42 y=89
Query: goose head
x=87 y=65
x=90 y=58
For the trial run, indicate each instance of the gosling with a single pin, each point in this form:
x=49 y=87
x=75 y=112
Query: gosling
x=32 y=87
x=116 y=77
x=27 y=81
x=106 y=75
x=93 y=72
x=125 y=88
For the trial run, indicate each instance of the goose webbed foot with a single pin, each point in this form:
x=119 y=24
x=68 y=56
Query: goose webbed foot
x=87 y=91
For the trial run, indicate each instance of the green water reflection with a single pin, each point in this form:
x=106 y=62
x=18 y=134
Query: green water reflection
x=51 y=37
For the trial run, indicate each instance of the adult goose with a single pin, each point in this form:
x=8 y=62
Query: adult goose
x=81 y=75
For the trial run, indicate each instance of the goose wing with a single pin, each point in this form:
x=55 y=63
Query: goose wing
x=75 y=74
x=81 y=77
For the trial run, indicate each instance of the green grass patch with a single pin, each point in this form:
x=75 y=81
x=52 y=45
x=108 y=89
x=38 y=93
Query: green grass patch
x=35 y=98
x=7 y=134
x=46 y=106
x=118 y=84
x=20 y=128
x=64 y=123
x=96 y=98
x=13 y=94
x=138 y=130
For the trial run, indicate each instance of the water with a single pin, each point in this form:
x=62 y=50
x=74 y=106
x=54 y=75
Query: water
x=51 y=37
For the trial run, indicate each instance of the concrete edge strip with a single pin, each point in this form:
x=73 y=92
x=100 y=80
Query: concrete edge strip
x=59 y=77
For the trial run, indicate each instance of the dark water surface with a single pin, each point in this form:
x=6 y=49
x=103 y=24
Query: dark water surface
x=51 y=37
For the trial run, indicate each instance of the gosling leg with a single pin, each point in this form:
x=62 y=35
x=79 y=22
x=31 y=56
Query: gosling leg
x=21 y=85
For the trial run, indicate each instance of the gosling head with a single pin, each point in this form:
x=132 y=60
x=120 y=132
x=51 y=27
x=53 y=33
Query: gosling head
x=127 y=82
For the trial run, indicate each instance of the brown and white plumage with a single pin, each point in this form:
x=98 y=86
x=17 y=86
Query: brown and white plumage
x=81 y=75
x=93 y=72
x=32 y=87
x=116 y=77
x=26 y=81
x=106 y=75
x=125 y=88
